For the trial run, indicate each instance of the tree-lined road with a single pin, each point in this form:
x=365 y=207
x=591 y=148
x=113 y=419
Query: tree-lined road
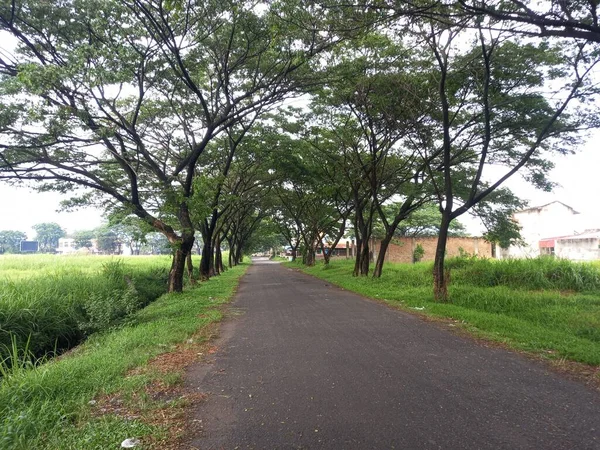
x=310 y=366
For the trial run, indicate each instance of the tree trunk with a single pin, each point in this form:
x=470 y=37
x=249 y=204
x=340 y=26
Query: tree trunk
x=326 y=256
x=441 y=277
x=309 y=258
x=358 y=255
x=230 y=255
x=238 y=254
x=218 y=257
x=184 y=247
x=207 y=258
x=190 y=267
x=365 y=259
x=378 y=269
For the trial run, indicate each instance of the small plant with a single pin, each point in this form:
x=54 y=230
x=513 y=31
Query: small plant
x=418 y=253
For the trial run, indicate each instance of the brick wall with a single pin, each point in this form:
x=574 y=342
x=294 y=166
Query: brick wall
x=401 y=249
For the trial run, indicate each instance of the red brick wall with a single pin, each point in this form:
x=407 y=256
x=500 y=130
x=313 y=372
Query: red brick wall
x=401 y=249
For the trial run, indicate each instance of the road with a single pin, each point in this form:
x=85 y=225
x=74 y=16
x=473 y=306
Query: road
x=305 y=365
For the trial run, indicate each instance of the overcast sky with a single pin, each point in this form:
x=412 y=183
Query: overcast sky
x=579 y=176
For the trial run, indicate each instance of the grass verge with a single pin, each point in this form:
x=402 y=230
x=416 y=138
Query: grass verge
x=85 y=399
x=551 y=323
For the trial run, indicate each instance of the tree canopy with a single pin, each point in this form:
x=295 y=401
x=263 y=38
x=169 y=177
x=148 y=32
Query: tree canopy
x=175 y=117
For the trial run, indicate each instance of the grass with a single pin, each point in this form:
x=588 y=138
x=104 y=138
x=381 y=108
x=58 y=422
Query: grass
x=51 y=303
x=545 y=306
x=48 y=406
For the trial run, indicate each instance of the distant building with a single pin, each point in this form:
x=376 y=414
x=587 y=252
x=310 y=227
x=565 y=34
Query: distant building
x=66 y=246
x=579 y=247
x=539 y=223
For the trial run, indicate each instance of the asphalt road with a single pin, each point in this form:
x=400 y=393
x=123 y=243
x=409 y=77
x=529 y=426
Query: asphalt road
x=309 y=366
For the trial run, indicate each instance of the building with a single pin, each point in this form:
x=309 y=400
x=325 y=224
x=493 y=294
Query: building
x=67 y=246
x=538 y=224
x=579 y=247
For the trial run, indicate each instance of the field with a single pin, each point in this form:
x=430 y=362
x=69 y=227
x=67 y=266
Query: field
x=51 y=303
x=67 y=402
x=545 y=306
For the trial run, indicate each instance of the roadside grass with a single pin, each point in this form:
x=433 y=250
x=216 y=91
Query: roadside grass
x=51 y=303
x=544 y=306
x=56 y=405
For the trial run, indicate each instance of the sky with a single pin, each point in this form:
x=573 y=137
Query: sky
x=578 y=176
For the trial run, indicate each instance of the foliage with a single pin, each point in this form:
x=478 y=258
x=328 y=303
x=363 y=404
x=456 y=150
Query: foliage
x=48 y=234
x=425 y=221
x=418 y=253
x=108 y=240
x=83 y=238
x=10 y=241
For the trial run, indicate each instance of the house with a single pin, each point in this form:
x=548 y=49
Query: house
x=579 y=247
x=67 y=246
x=537 y=224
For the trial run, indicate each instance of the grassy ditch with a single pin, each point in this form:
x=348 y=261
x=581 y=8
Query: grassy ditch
x=51 y=303
x=545 y=306
x=62 y=404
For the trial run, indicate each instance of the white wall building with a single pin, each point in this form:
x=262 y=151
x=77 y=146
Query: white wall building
x=66 y=246
x=538 y=223
x=580 y=247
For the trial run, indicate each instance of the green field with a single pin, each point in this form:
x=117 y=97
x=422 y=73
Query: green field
x=50 y=303
x=545 y=306
x=53 y=405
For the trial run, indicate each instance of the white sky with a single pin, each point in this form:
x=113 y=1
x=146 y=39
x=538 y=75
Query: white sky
x=578 y=175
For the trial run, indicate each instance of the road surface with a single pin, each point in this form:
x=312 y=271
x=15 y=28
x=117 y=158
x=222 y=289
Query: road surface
x=304 y=365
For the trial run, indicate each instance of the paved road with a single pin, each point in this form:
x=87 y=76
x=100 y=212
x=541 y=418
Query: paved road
x=310 y=366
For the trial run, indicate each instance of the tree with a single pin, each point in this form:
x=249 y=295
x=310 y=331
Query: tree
x=496 y=111
x=130 y=231
x=157 y=244
x=119 y=99
x=48 y=234
x=10 y=241
x=576 y=19
x=83 y=238
x=377 y=100
x=108 y=240
x=425 y=221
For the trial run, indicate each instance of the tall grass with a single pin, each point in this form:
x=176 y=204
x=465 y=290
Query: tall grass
x=50 y=303
x=533 y=274
x=50 y=406
x=548 y=306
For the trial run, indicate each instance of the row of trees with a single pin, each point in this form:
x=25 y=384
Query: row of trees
x=127 y=236
x=163 y=110
x=47 y=234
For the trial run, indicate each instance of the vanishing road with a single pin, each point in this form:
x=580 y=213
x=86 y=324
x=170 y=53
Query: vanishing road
x=305 y=365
